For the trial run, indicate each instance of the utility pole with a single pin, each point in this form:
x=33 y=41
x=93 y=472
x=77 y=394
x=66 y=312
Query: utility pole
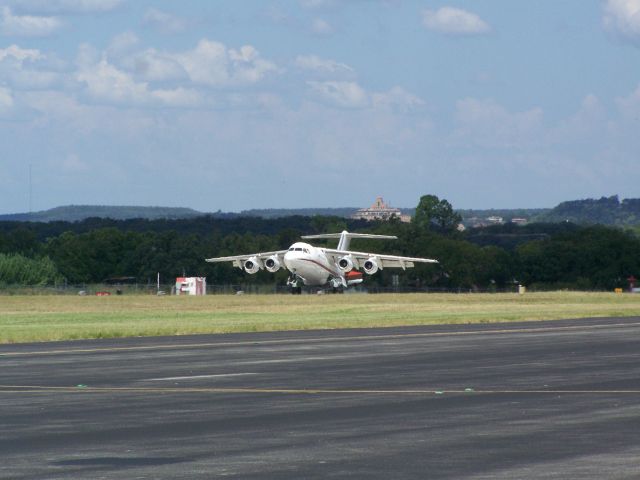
x=30 y=193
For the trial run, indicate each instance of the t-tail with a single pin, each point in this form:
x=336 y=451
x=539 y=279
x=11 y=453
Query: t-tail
x=345 y=237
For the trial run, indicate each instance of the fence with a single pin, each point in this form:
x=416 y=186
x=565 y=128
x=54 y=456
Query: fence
x=231 y=289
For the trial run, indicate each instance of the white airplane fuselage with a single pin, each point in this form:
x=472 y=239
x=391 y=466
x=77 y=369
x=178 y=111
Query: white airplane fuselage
x=311 y=264
x=317 y=266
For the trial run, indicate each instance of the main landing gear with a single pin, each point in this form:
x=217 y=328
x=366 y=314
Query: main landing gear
x=336 y=285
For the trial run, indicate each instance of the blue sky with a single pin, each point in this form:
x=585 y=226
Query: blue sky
x=317 y=103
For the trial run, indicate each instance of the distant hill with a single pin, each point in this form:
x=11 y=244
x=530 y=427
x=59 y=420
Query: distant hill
x=305 y=212
x=604 y=211
x=76 y=213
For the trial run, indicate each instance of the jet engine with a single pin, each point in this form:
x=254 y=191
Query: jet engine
x=252 y=265
x=370 y=266
x=345 y=263
x=272 y=264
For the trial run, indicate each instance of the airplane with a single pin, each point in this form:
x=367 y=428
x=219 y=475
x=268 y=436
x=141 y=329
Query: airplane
x=318 y=266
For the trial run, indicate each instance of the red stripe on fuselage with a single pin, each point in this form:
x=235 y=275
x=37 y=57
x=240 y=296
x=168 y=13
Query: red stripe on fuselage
x=322 y=266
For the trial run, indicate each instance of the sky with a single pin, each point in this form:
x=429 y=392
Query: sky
x=231 y=105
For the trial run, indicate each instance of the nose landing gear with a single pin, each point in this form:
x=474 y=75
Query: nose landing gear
x=295 y=284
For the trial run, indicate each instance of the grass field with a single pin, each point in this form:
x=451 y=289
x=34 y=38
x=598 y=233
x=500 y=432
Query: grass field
x=42 y=318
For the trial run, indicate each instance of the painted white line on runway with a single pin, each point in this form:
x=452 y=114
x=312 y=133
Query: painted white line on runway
x=307 y=391
x=303 y=359
x=197 y=377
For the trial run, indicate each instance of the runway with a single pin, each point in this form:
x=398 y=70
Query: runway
x=530 y=400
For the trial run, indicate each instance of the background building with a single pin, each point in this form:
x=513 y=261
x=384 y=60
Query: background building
x=380 y=211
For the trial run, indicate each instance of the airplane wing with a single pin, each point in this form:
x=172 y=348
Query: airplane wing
x=239 y=260
x=391 y=261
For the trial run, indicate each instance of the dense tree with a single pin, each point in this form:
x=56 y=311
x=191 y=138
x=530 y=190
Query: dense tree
x=560 y=255
x=592 y=257
x=16 y=269
x=431 y=211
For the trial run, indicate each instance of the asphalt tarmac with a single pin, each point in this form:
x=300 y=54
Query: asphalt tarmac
x=552 y=400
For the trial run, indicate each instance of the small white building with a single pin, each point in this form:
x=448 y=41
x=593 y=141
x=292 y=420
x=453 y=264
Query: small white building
x=191 y=286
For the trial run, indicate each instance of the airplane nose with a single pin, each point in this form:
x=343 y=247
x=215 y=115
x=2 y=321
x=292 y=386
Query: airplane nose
x=288 y=257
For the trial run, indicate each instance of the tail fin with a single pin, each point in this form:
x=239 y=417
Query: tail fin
x=345 y=237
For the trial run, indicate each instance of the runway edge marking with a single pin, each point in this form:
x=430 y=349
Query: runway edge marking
x=318 y=339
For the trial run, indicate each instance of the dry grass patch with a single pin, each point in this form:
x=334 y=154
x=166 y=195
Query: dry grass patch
x=41 y=318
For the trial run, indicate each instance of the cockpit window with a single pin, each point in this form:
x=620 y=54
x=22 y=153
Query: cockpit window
x=306 y=250
x=298 y=249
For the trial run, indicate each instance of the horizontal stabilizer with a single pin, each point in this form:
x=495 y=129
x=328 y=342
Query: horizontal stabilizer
x=351 y=235
x=345 y=237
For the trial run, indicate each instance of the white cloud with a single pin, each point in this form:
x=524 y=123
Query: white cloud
x=397 y=98
x=105 y=82
x=31 y=79
x=27 y=25
x=629 y=106
x=488 y=124
x=178 y=97
x=164 y=22
x=66 y=113
x=248 y=66
x=341 y=94
x=156 y=66
x=20 y=54
x=350 y=95
x=122 y=42
x=587 y=124
x=323 y=66
x=119 y=77
x=454 y=21
x=66 y=6
x=209 y=64
x=321 y=27
x=6 y=99
x=622 y=17
x=73 y=163
x=212 y=64
x=24 y=68
x=313 y=4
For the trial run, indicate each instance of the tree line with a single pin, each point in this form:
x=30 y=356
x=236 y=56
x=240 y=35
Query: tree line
x=605 y=210
x=543 y=256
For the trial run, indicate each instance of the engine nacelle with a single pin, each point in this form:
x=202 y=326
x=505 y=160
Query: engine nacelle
x=370 y=266
x=272 y=264
x=345 y=263
x=252 y=265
